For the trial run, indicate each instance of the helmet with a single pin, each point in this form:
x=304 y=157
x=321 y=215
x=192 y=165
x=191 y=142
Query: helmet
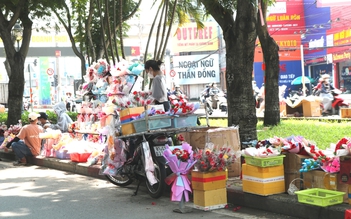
x=177 y=86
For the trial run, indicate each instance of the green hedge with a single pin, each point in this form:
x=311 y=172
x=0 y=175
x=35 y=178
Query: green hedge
x=51 y=117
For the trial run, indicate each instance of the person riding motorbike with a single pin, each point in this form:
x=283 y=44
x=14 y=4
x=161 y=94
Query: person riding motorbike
x=325 y=94
x=177 y=91
x=214 y=91
x=204 y=99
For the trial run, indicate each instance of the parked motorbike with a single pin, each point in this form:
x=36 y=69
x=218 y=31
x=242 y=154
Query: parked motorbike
x=207 y=104
x=26 y=103
x=71 y=106
x=140 y=151
x=337 y=102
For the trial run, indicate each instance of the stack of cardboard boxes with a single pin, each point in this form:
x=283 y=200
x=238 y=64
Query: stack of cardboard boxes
x=263 y=176
x=317 y=178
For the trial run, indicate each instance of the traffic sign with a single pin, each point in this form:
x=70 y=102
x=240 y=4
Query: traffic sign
x=50 y=71
x=172 y=73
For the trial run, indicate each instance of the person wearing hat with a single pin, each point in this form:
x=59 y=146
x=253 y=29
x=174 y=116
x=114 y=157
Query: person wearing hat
x=27 y=142
x=177 y=91
x=325 y=93
x=43 y=120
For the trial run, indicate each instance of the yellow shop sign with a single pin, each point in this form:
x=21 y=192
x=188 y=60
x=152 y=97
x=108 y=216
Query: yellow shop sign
x=341 y=56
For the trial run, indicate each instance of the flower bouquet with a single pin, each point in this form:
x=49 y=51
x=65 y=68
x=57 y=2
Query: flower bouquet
x=332 y=165
x=342 y=147
x=180 y=160
x=213 y=158
x=10 y=134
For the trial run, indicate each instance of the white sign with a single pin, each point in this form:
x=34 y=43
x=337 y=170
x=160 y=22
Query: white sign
x=316 y=43
x=331 y=3
x=277 y=8
x=196 y=69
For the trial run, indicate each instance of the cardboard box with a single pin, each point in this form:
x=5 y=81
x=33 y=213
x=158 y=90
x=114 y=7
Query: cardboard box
x=220 y=137
x=323 y=180
x=292 y=165
x=126 y=115
x=311 y=108
x=282 y=107
x=208 y=180
x=345 y=170
x=234 y=170
x=345 y=112
x=210 y=200
x=263 y=180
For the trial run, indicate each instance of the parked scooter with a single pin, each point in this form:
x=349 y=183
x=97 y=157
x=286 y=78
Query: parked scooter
x=26 y=103
x=337 y=102
x=143 y=152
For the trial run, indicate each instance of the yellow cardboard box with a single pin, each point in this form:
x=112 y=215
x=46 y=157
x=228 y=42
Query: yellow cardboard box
x=208 y=180
x=210 y=199
x=263 y=180
x=125 y=115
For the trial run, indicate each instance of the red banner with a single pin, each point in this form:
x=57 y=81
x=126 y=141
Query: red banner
x=286 y=17
x=289 y=48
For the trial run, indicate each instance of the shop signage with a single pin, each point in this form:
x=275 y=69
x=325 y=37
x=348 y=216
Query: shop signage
x=289 y=48
x=341 y=56
x=342 y=37
x=190 y=38
x=327 y=3
x=316 y=60
x=286 y=18
x=196 y=69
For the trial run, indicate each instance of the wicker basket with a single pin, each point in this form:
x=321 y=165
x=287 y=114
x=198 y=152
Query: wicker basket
x=292 y=188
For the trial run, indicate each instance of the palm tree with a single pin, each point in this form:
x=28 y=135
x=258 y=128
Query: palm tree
x=171 y=12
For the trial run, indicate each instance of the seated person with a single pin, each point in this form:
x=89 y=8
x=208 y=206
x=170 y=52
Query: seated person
x=27 y=143
x=43 y=120
x=63 y=119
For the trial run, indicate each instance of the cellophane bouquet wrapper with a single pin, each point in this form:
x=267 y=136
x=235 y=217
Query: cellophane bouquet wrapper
x=179 y=179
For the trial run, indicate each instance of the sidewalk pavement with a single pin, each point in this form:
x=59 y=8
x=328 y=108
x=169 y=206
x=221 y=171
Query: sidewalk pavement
x=281 y=203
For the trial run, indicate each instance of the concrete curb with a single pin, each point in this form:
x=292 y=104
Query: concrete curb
x=281 y=203
x=284 y=204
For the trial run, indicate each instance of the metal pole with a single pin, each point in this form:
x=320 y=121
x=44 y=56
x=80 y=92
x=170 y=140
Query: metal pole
x=58 y=79
x=30 y=89
x=303 y=71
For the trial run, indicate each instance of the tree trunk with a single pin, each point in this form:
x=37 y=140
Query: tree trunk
x=121 y=29
x=15 y=61
x=271 y=58
x=16 y=88
x=240 y=37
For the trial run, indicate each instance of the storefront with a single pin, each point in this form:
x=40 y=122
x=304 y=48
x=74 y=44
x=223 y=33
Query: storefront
x=342 y=61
